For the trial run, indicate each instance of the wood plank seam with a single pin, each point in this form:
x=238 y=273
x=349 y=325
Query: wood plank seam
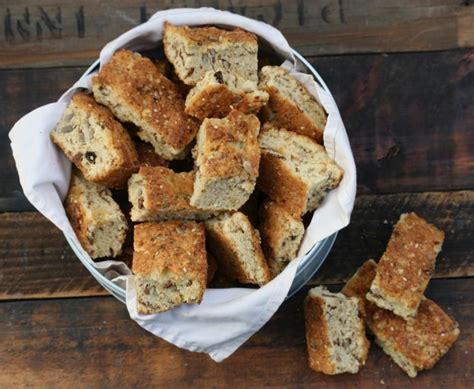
x=372 y=91
x=36 y=262
x=41 y=340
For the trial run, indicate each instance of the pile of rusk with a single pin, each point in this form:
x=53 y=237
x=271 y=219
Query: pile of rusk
x=183 y=134
x=209 y=146
x=388 y=298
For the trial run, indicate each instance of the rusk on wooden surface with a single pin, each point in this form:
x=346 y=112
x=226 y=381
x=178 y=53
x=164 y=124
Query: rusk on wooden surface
x=40 y=348
x=416 y=343
x=335 y=332
x=390 y=149
x=407 y=265
x=24 y=256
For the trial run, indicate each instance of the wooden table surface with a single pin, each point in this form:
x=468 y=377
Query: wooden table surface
x=402 y=73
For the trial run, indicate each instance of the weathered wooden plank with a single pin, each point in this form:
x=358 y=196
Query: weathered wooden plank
x=23 y=91
x=35 y=261
x=372 y=223
x=45 y=32
x=91 y=342
x=410 y=118
x=409 y=131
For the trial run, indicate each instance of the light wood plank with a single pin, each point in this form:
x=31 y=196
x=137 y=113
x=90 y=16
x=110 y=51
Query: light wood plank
x=35 y=261
x=52 y=32
x=92 y=342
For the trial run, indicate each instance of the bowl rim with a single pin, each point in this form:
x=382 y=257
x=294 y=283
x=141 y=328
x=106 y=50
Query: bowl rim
x=308 y=266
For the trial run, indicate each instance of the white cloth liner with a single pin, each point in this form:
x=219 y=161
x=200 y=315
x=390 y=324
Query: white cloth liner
x=226 y=318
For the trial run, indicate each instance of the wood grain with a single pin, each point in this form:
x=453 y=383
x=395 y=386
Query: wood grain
x=91 y=342
x=410 y=118
x=23 y=91
x=372 y=223
x=52 y=32
x=35 y=261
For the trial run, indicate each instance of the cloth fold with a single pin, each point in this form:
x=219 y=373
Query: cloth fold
x=226 y=318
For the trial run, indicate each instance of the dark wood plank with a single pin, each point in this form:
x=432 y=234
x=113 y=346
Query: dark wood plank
x=36 y=262
x=372 y=223
x=410 y=118
x=46 y=33
x=409 y=131
x=92 y=342
x=21 y=92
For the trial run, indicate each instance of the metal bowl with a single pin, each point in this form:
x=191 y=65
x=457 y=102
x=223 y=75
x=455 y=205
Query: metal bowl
x=309 y=264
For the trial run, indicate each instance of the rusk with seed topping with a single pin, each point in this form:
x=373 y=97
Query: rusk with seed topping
x=406 y=266
x=95 y=142
x=136 y=91
x=414 y=344
x=170 y=265
x=193 y=51
x=335 y=332
x=290 y=105
x=236 y=247
x=159 y=193
x=96 y=218
x=295 y=171
x=227 y=158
